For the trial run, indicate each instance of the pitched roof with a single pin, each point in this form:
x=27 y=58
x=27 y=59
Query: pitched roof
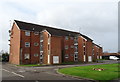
x=54 y=31
x=97 y=45
x=86 y=37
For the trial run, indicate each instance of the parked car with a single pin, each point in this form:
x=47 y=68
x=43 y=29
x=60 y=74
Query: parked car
x=113 y=58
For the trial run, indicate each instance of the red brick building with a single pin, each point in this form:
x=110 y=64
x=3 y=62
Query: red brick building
x=32 y=43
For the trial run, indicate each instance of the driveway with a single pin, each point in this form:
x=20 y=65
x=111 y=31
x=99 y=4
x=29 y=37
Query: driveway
x=12 y=72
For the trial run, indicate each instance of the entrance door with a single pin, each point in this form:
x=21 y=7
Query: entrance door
x=55 y=59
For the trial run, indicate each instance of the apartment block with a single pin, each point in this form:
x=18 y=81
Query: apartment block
x=37 y=44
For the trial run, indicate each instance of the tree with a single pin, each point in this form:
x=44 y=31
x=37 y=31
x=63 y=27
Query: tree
x=5 y=56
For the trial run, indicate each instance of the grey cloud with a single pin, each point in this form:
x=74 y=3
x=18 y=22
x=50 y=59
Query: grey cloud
x=97 y=20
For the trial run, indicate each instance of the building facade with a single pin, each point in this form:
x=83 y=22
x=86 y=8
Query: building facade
x=37 y=44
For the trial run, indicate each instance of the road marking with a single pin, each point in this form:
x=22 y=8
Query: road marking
x=14 y=73
x=18 y=74
x=5 y=70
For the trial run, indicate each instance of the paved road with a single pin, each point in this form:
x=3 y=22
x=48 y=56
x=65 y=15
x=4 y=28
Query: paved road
x=12 y=72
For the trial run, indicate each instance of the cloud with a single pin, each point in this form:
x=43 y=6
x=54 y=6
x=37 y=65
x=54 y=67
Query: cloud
x=95 y=18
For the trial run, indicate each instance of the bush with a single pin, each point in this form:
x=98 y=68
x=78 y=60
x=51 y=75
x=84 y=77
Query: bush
x=5 y=57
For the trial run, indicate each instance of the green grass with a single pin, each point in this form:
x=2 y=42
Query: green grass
x=30 y=65
x=111 y=72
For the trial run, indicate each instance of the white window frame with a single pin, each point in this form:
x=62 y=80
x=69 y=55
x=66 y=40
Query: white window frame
x=26 y=56
x=66 y=37
x=41 y=55
x=66 y=56
x=36 y=33
x=72 y=38
x=27 y=44
x=27 y=33
x=84 y=57
x=36 y=44
x=36 y=55
x=72 y=46
x=49 y=40
x=66 y=47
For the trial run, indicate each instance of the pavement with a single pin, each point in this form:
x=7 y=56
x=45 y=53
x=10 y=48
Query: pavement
x=13 y=72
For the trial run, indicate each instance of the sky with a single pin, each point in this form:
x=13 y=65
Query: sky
x=98 y=19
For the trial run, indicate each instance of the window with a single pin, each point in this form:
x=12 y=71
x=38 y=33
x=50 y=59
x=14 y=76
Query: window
x=76 y=47
x=76 y=59
x=72 y=46
x=27 y=56
x=71 y=38
x=41 y=56
x=41 y=53
x=66 y=47
x=84 y=53
x=75 y=39
x=97 y=53
x=76 y=55
x=84 y=48
x=48 y=47
x=66 y=38
x=36 y=55
x=49 y=40
x=66 y=56
x=36 y=44
x=27 y=44
x=41 y=38
x=36 y=33
x=27 y=33
x=41 y=47
x=83 y=45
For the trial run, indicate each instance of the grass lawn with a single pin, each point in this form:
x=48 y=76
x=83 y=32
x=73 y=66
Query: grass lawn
x=30 y=65
x=110 y=71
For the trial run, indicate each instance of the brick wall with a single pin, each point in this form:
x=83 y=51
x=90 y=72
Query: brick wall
x=70 y=50
x=56 y=48
x=15 y=45
x=80 y=49
x=89 y=51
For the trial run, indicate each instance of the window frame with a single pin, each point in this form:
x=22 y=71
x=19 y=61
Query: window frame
x=66 y=47
x=25 y=57
x=36 y=33
x=36 y=55
x=36 y=44
x=66 y=38
x=27 y=33
x=26 y=44
x=66 y=56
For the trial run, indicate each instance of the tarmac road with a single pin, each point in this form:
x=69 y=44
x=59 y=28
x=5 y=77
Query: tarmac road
x=12 y=72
